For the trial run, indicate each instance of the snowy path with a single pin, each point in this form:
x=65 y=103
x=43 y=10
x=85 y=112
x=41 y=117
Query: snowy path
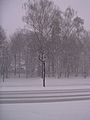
x=56 y=90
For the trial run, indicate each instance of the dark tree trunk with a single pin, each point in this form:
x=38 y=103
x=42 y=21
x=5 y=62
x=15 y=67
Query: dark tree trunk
x=43 y=68
x=43 y=74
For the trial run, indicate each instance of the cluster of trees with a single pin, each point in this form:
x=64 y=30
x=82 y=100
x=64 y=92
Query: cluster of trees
x=54 y=42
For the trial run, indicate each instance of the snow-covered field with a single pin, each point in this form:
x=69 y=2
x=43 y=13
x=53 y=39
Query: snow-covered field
x=63 y=110
x=76 y=110
x=36 y=83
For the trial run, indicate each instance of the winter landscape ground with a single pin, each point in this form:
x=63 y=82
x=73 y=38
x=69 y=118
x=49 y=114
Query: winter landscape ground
x=61 y=99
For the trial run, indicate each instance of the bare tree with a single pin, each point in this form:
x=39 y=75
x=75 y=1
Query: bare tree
x=38 y=17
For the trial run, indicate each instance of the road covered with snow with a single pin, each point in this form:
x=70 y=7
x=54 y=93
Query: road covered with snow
x=26 y=99
x=38 y=96
x=56 y=90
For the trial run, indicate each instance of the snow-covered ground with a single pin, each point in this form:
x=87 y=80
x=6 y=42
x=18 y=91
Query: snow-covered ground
x=76 y=110
x=36 y=83
x=64 y=110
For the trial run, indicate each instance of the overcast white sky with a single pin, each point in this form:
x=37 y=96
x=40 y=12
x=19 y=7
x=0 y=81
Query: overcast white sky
x=11 y=12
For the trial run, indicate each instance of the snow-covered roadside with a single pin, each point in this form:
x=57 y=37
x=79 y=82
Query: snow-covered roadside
x=76 y=110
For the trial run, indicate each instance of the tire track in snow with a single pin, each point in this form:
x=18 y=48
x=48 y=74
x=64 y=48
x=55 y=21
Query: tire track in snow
x=37 y=96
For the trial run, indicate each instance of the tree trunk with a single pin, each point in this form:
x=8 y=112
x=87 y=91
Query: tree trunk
x=43 y=74
x=48 y=69
x=53 y=70
x=19 y=64
x=26 y=63
x=15 y=65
